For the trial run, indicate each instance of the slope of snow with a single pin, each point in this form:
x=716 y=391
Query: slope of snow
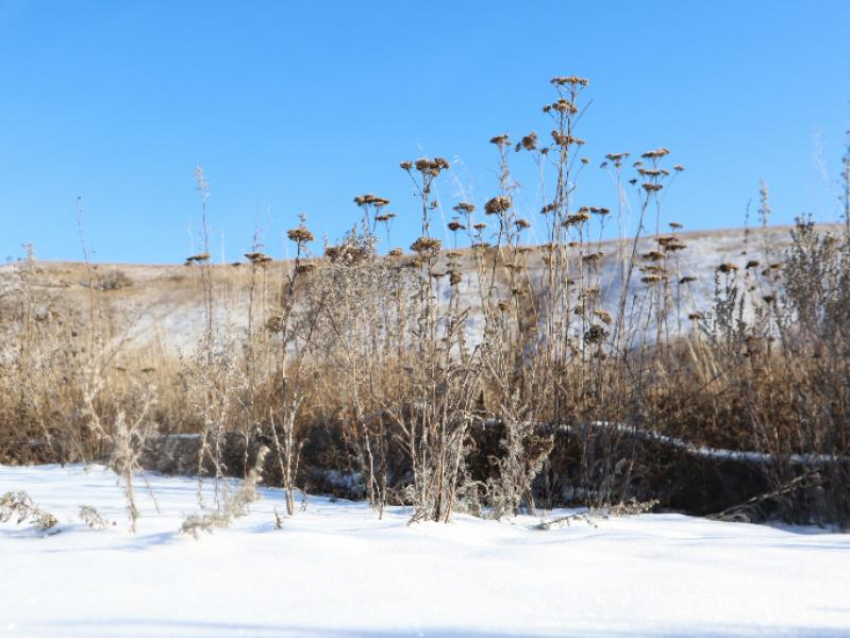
x=336 y=570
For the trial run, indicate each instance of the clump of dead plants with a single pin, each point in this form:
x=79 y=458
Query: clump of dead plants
x=486 y=378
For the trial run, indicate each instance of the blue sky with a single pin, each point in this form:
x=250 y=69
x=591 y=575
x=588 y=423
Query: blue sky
x=298 y=107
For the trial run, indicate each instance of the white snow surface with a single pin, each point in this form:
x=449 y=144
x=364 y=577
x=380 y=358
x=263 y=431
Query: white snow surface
x=334 y=569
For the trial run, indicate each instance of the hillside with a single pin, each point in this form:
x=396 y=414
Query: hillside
x=162 y=305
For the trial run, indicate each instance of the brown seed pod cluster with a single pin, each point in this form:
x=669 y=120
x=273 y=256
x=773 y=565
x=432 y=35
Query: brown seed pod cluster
x=578 y=218
x=258 y=258
x=604 y=316
x=501 y=141
x=426 y=246
x=274 y=324
x=498 y=205
x=346 y=253
x=528 y=142
x=571 y=80
x=563 y=139
x=430 y=167
x=595 y=335
x=371 y=200
x=300 y=235
x=465 y=208
x=658 y=153
x=197 y=259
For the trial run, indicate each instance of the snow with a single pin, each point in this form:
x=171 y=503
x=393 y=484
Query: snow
x=334 y=569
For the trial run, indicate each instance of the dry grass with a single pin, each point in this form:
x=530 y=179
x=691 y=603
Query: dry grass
x=368 y=365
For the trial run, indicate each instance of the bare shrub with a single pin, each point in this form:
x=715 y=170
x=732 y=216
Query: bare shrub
x=19 y=506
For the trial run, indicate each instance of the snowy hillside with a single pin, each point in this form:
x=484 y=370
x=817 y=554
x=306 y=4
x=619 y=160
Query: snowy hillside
x=164 y=304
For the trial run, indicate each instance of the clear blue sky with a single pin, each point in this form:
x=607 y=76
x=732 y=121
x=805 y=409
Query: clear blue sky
x=299 y=106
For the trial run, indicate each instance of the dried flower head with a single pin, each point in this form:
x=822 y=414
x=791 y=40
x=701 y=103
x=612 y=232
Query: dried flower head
x=300 y=235
x=529 y=142
x=656 y=154
x=727 y=268
x=498 y=205
x=501 y=141
x=426 y=246
x=274 y=324
x=603 y=315
x=595 y=335
x=580 y=217
x=564 y=140
x=465 y=207
x=431 y=167
x=257 y=258
x=197 y=259
x=572 y=80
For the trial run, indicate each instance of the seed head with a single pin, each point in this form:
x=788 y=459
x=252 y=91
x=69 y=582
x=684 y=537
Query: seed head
x=498 y=205
x=571 y=80
x=300 y=235
x=656 y=154
x=501 y=141
x=596 y=334
x=426 y=246
x=529 y=142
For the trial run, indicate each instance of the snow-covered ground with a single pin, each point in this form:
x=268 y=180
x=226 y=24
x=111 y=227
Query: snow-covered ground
x=336 y=570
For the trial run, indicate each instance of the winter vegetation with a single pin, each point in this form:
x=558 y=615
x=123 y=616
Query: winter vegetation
x=531 y=410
